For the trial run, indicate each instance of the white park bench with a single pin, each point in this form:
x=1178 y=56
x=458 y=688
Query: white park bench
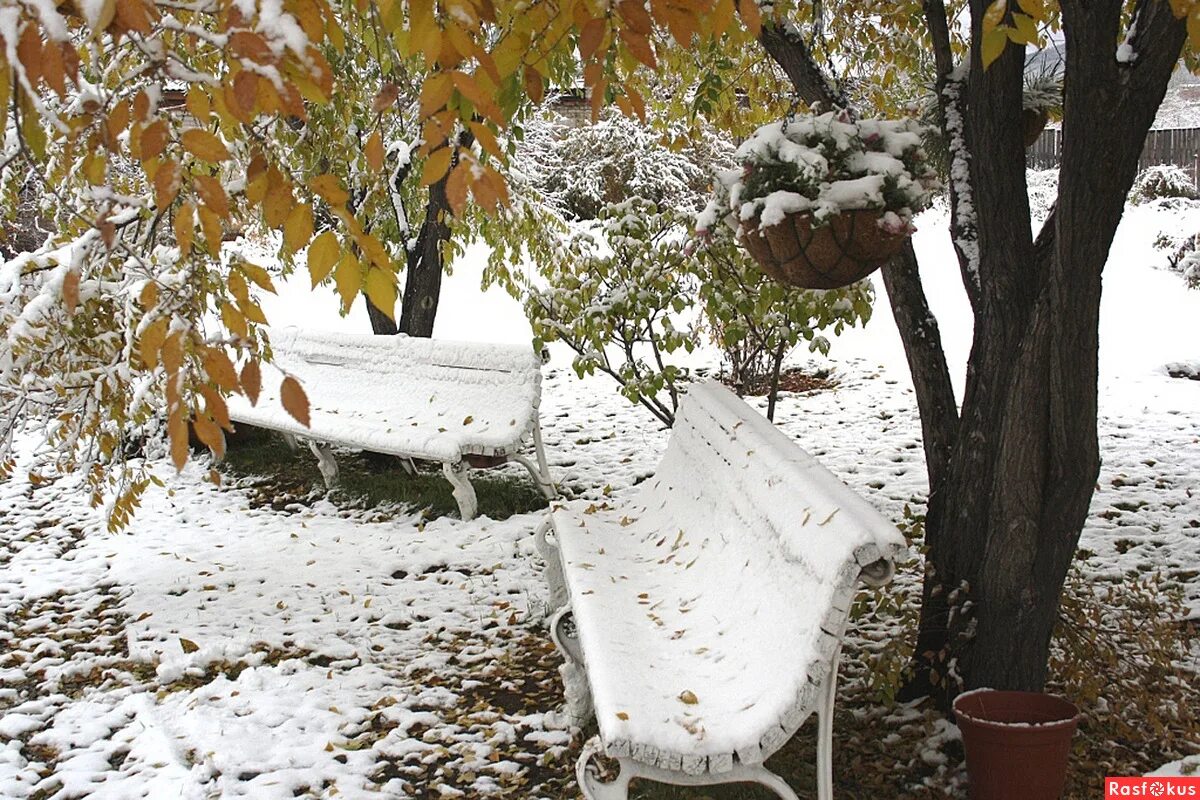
x=709 y=607
x=459 y=403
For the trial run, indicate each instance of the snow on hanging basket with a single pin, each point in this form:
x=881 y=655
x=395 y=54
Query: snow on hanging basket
x=822 y=201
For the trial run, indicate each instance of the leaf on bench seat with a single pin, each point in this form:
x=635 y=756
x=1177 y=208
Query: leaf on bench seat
x=468 y=420
x=621 y=715
x=688 y=697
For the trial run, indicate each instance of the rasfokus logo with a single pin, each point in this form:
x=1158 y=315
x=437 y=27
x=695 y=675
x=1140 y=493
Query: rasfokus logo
x=1152 y=786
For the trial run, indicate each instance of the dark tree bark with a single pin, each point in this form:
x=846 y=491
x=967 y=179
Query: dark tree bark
x=426 y=260
x=381 y=323
x=423 y=285
x=1011 y=478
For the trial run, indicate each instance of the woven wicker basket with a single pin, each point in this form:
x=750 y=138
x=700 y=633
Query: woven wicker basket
x=1032 y=124
x=847 y=248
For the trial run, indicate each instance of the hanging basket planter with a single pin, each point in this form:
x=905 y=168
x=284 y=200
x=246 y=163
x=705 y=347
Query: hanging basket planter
x=1033 y=122
x=846 y=249
x=823 y=201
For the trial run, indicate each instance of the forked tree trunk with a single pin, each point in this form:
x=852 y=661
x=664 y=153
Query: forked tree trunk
x=423 y=284
x=1012 y=476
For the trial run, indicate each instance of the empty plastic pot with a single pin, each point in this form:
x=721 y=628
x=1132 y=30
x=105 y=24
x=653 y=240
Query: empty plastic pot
x=1017 y=743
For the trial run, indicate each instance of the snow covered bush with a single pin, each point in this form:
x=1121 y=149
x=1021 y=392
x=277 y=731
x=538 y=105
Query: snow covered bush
x=1163 y=180
x=1190 y=267
x=581 y=169
x=1043 y=194
x=620 y=299
x=824 y=165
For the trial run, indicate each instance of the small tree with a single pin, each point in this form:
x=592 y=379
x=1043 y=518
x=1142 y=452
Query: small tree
x=636 y=290
x=756 y=321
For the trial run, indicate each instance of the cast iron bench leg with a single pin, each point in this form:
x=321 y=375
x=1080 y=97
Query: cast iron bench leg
x=464 y=492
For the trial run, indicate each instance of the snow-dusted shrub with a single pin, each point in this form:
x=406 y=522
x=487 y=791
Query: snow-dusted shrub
x=581 y=169
x=824 y=165
x=620 y=298
x=1163 y=180
x=1042 y=185
x=1189 y=265
x=1117 y=651
x=637 y=289
x=756 y=321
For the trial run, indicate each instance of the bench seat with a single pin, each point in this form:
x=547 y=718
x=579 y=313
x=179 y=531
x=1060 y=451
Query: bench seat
x=709 y=607
x=415 y=398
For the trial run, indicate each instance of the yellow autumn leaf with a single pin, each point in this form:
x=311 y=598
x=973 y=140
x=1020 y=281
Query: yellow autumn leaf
x=210 y=434
x=233 y=321
x=330 y=189
x=177 y=431
x=1034 y=8
x=148 y=297
x=751 y=16
x=295 y=401
x=298 y=229
x=322 y=255
x=251 y=381
x=487 y=139
x=456 y=188
x=198 y=104
x=374 y=151
x=381 y=290
x=220 y=369
x=435 y=93
x=184 y=226
x=348 y=277
x=994 y=15
x=436 y=166
x=1024 y=30
x=166 y=184
x=993 y=45
x=151 y=341
x=70 y=290
x=204 y=145
x=259 y=275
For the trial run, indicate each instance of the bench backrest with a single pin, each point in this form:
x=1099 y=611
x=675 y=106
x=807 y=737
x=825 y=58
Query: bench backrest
x=776 y=489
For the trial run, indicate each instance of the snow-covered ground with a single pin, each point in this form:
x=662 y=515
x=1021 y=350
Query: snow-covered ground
x=218 y=649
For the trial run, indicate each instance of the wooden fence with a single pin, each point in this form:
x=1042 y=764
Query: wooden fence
x=1178 y=146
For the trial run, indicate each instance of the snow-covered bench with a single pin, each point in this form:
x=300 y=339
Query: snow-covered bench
x=709 y=608
x=461 y=403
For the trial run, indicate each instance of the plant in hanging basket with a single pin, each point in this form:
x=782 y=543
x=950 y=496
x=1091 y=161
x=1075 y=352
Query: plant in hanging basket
x=822 y=201
x=1041 y=101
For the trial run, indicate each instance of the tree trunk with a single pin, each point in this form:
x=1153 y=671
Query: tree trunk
x=381 y=323
x=426 y=260
x=423 y=286
x=1011 y=479
x=776 y=368
x=1003 y=530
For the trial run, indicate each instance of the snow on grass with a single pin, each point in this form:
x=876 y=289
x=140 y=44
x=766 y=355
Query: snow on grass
x=224 y=649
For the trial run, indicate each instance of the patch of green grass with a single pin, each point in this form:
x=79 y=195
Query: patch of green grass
x=281 y=476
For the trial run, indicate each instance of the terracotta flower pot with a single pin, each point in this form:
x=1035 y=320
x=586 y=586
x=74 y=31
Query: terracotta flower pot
x=847 y=248
x=1017 y=743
